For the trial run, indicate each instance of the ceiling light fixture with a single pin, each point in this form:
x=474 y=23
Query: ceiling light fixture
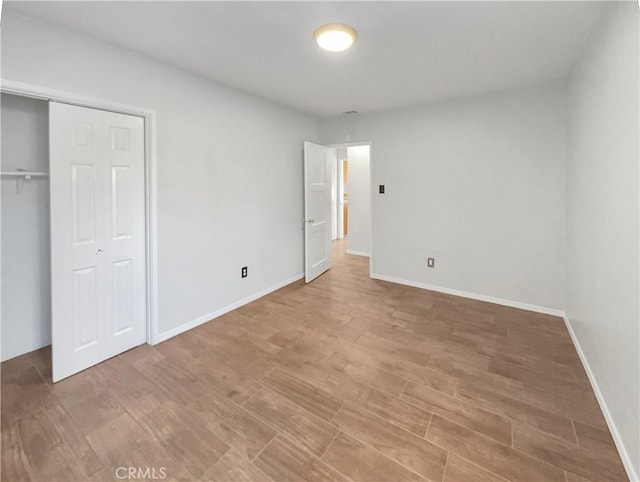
x=335 y=37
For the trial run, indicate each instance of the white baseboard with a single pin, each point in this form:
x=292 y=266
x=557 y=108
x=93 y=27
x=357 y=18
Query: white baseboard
x=624 y=454
x=208 y=317
x=473 y=296
x=357 y=253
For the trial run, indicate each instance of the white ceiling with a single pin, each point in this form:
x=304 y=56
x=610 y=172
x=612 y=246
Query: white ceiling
x=407 y=52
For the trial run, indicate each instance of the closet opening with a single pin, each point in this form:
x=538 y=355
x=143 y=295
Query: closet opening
x=24 y=229
x=77 y=234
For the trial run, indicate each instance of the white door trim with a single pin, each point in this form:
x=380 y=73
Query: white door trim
x=339 y=180
x=151 y=194
x=371 y=190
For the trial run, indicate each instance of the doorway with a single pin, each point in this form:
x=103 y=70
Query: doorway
x=332 y=175
x=352 y=213
x=345 y=198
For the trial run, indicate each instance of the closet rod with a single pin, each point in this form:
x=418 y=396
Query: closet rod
x=22 y=176
x=24 y=173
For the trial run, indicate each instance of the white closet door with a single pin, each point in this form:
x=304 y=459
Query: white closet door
x=124 y=244
x=97 y=236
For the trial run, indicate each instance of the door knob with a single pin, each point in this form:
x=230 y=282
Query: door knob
x=309 y=220
x=99 y=252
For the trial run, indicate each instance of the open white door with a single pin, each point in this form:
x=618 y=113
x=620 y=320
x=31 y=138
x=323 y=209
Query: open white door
x=317 y=210
x=97 y=236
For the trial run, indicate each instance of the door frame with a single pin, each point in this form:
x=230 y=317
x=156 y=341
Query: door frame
x=371 y=191
x=150 y=177
x=340 y=197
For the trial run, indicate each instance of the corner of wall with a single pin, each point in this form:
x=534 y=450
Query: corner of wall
x=615 y=434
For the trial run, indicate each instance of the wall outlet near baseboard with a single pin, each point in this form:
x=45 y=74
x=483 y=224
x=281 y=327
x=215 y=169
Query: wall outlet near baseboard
x=244 y=272
x=431 y=262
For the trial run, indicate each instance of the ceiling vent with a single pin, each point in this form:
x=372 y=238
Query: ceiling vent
x=348 y=112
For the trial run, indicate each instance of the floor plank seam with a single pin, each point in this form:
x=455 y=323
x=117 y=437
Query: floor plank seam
x=446 y=465
x=330 y=443
x=575 y=433
x=511 y=432
x=428 y=425
x=412 y=434
x=336 y=414
x=403 y=389
x=495 y=441
x=372 y=447
x=533 y=456
x=266 y=445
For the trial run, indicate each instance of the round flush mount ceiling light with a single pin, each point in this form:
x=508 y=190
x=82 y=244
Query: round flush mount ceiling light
x=335 y=37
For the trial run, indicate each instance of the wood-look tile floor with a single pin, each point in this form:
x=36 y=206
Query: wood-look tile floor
x=343 y=379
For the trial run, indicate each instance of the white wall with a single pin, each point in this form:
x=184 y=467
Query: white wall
x=477 y=183
x=229 y=165
x=602 y=217
x=24 y=230
x=359 y=189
